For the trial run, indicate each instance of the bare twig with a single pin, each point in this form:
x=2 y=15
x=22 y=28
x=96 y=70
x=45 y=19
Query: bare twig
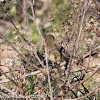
x=19 y=87
x=85 y=8
x=97 y=6
x=87 y=78
x=11 y=92
x=83 y=97
x=6 y=14
x=26 y=75
x=22 y=56
x=34 y=19
x=25 y=40
x=94 y=72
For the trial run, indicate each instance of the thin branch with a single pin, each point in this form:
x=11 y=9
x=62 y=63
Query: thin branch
x=19 y=87
x=11 y=92
x=25 y=40
x=96 y=4
x=34 y=19
x=93 y=73
x=23 y=76
x=84 y=97
x=85 y=8
x=22 y=56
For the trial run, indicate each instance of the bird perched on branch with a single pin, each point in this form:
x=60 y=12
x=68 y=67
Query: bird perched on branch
x=56 y=53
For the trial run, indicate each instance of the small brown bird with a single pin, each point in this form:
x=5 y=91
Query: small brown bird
x=56 y=53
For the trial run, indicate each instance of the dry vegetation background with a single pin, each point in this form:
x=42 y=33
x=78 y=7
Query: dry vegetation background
x=25 y=70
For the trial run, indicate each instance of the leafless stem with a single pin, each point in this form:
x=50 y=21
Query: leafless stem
x=26 y=75
x=11 y=92
x=83 y=97
x=22 y=56
x=34 y=19
x=86 y=5
x=26 y=40
x=20 y=89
